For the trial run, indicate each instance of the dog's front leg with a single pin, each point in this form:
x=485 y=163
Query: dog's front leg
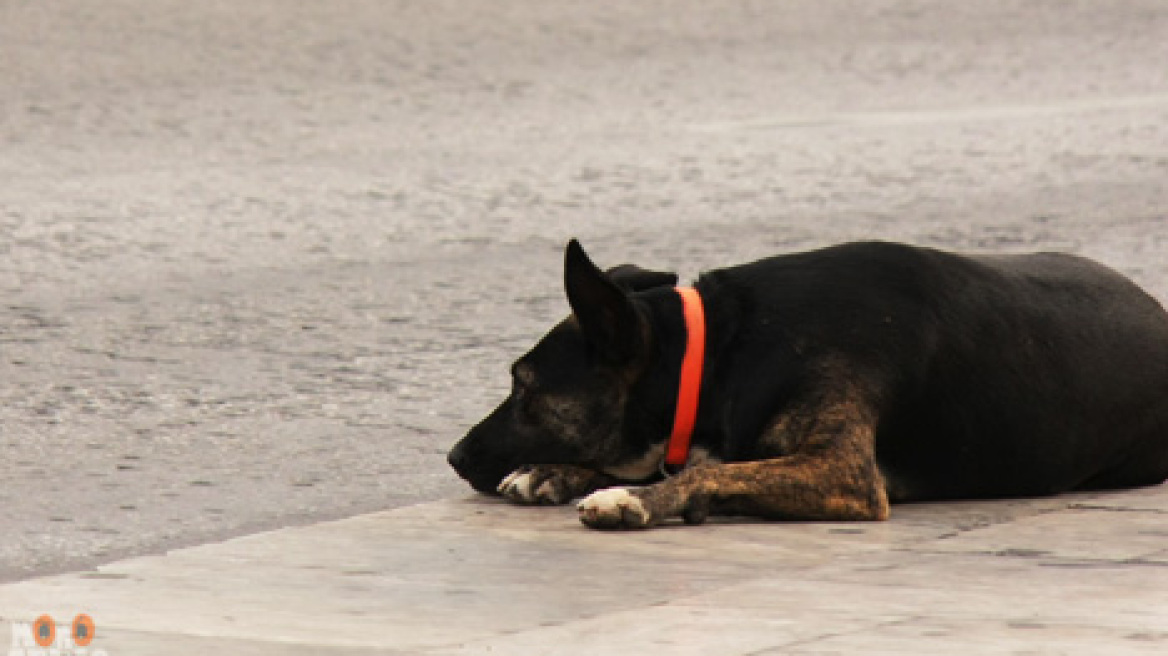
x=551 y=484
x=832 y=475
x=784 y=488
x=642 y=507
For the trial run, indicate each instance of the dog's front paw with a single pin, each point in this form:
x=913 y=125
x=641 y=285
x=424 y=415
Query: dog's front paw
x=543 y=485
x=615 y=507
x=524 y=486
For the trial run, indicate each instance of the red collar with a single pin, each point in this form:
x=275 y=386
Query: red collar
x=677 y=449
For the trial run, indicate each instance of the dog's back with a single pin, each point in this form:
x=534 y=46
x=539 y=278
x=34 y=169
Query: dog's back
x=1067 y=334
x=1003 y=375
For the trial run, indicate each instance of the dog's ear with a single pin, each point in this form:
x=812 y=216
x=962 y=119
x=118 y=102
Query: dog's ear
x=635 y=279
x=605 y=311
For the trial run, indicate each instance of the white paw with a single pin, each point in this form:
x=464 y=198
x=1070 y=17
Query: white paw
x=614 y=507
x=521 y=487
x=517 y=486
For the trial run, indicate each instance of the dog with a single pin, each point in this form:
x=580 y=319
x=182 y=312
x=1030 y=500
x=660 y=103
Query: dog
x=829 y=384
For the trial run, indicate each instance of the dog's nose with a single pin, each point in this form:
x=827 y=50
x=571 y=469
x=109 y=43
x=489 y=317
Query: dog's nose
x=457 y=458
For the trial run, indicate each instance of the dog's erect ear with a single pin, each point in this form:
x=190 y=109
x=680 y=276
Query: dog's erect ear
x=635 y=279
x=605 y=312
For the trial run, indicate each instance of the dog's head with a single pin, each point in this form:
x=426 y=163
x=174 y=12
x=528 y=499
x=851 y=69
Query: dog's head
x=575 y=397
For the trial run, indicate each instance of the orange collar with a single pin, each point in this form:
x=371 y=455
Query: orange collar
x=677 y=449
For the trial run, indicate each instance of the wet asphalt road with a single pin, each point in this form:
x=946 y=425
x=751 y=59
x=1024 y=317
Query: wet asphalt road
x=262 y=263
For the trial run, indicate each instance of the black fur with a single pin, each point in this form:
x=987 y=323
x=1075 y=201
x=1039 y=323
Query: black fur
x=978 y=376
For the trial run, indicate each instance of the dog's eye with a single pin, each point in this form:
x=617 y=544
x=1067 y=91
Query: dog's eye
x=522 y=381
x=518 y=390
x=521 y=389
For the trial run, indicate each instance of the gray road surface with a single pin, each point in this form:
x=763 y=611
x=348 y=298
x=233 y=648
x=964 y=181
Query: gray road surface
x=262 y=262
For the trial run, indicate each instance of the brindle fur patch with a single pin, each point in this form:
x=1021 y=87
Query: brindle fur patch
x=830 y=475
x=590 y=422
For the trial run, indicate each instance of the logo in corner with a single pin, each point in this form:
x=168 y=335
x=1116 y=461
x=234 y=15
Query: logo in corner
x=44 y=632
x=44 y=637
x=83 y=630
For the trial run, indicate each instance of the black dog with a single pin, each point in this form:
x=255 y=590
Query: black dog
x=833 y=382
